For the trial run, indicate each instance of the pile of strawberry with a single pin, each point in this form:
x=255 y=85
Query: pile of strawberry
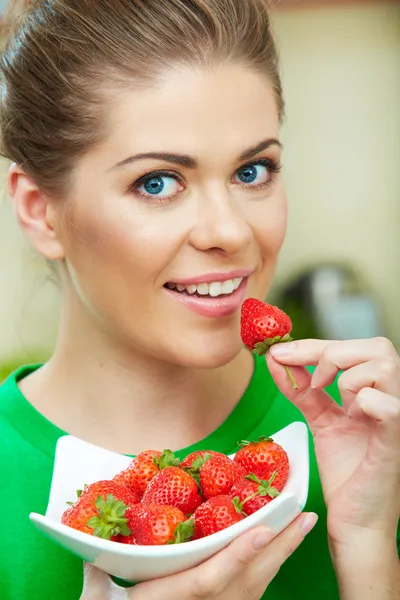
x=160 y=500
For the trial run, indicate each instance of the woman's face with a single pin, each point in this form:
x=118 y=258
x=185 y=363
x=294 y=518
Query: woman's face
x=179 y=215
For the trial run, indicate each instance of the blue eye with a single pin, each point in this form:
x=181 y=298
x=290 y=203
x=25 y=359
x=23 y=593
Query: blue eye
x=159 y=186
x=256 y=174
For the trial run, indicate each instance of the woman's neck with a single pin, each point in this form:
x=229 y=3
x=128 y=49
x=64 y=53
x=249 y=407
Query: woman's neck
x=128 y=402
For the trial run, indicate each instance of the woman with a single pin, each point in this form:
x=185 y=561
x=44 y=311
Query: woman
x=144 y=137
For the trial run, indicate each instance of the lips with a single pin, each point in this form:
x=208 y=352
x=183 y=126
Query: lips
x=224 y=305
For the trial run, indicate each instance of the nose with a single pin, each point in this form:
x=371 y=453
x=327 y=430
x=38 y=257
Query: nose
x=221 y=225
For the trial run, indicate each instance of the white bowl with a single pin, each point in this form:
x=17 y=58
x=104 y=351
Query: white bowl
x=78 y=463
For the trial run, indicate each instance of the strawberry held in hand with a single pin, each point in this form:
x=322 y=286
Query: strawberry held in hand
x=262 y=326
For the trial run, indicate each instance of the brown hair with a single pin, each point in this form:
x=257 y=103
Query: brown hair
x=64 y=58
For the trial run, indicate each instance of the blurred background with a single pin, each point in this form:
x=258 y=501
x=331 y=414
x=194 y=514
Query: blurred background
x=338 y=275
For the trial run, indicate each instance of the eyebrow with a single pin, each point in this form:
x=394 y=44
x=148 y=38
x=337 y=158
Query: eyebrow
x=184 y=160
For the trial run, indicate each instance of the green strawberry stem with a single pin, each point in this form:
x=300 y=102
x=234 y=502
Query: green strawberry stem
x=265 y=488
x=261 y=438
x=292 y=380
x=194 y=470
x=183 y=532
x=261 y=348
x=111 y=519
x=167 y=459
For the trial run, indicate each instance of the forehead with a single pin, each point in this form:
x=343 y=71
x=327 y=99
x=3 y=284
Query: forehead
x=194 y=111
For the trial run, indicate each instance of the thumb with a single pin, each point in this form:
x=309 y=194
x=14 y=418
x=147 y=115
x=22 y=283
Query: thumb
x=97 y=585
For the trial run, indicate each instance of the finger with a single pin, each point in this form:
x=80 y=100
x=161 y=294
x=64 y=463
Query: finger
x=385 y=411
x=266 y=565
x=215 y=575
x=382 y=374
x=318 y=408
x=96 y=584
x=211 y=577
x=332 y=356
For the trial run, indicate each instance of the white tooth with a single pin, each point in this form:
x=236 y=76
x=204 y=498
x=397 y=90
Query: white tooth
x=191 y=289
x=236 y=282
x=215 y=289
x=227 y=287
x=202 y=289
x=180 y=287
x=170 y=286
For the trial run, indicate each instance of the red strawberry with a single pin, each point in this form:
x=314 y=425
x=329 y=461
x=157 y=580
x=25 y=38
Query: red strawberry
x=217 y=476
x=144 y=467
x=254 y=493
x=216 y=514
x=191 y=461
x=154 y=525
x=173 y=487
x=101 y=510
x=127 y=539
x=263 y=458
x=105 y=487
x=262 y=326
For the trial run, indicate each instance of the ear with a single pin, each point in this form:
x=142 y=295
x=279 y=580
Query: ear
x=35 y=213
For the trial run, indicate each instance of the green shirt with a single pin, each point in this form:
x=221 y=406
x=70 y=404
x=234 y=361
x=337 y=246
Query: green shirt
x=34 y=568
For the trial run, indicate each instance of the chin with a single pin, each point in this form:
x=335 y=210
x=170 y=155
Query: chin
x=209 y=355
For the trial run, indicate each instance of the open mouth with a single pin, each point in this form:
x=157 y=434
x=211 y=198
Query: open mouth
x=212 y=290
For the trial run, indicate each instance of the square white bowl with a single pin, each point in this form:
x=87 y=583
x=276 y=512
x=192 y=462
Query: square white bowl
x=78 y=463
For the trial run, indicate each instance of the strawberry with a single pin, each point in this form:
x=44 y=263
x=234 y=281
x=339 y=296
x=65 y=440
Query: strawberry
x=105 y=487
x=217 y=476
x=154 y=525
x=254 y=493
x=262 y=458
x=101 y=510
x=144 y=467
x=262 y=326
x=173 y=487
x=192 y=460
x=216 y=514
x=130 y=540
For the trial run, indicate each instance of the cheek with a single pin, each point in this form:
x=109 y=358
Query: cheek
x=269 y=226
x=125 y=244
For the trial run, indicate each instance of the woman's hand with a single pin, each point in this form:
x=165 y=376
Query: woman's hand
x=242 y=571
x=357 y=446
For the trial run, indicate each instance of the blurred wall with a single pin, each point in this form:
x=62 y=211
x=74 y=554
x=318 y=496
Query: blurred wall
x=341 y=71
x=28 y=297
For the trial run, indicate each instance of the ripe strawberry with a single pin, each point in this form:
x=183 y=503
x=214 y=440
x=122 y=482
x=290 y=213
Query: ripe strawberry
x=130 y=540
x=154 y=525
x=216 y=514
x=192 y=460
x=262 y=326
x=218 y=476
x=262 y=458
x=101 y=510
x=105 y=487
x=254 y=493
x=173 y=487
x=144 y=467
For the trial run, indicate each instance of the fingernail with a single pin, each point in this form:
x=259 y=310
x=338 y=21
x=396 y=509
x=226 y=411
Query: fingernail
x=308 y=523
x=284 y=349
x=261 y=540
